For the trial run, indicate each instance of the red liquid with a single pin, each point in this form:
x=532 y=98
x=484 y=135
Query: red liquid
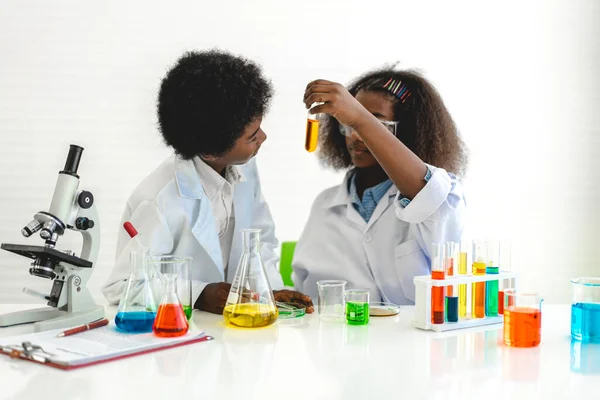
x=500 y=302
x=170 y=321
x=522 y=326
x=437 y=299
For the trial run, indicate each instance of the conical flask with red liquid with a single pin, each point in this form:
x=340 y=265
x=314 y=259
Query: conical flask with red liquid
x=170 y=319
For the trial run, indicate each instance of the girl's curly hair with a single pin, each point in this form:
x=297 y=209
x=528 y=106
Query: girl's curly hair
x=425 y=125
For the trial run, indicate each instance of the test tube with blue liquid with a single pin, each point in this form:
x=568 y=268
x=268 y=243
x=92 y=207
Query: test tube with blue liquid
x=585 y=310
x=451 y=261
x=491 y=287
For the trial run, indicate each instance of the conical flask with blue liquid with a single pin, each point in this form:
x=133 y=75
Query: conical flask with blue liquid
x=137 y=308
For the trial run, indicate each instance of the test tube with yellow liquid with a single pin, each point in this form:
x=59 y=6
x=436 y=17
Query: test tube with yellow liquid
x=479 y=256
x=462 y=288
x=312 y=130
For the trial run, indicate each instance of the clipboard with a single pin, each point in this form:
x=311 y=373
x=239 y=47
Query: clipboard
x=68 y=353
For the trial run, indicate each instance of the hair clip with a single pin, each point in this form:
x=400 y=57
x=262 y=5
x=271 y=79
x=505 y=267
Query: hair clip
x=398 y=89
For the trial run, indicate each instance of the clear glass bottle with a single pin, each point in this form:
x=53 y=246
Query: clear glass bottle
x=250 y=303
x=137 y=307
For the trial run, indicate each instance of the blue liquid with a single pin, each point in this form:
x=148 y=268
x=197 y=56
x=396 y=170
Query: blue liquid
x=135 y=321
x=585 y=322
x=452 y=309
x=585 y=357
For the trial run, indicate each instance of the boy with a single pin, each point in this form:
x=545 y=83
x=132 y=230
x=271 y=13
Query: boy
x=210 y=108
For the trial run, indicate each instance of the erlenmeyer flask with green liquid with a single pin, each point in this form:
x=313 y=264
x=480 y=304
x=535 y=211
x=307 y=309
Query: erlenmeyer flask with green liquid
x=250 y=303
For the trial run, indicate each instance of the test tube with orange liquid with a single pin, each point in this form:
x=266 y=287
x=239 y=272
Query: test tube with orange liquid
x=479 y=256
x=312 y=130
x=438 y=272
x=522 y=319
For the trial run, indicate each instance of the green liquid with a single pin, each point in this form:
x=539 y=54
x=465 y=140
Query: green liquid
x=491 y=294
x=357 y=313
x=187 y=310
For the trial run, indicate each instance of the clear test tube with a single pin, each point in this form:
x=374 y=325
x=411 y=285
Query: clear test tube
x=462 y=288
x=491 y=287
x=438 y=272
x=479 y=256
x=312 y=130
x=505 y=266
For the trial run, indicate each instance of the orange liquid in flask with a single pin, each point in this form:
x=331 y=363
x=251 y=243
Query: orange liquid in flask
x=522 y=326
x=170 y=321
x=312 y=135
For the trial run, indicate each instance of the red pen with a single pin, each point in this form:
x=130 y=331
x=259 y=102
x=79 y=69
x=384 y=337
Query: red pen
x=83 y=328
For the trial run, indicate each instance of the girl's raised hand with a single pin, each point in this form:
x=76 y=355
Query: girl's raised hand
x=338 y=102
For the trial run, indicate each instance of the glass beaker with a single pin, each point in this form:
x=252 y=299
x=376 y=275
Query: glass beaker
x=357 y=306
x=180 y=266
x=250 y=303
x=137 y=307
x=585 y=309
x=522 y=319
x=331 y=299
x=171 y=320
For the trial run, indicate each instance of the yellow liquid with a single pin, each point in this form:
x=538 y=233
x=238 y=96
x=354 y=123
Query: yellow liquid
x=250 y=315
x=312 y=135
x=462 y=289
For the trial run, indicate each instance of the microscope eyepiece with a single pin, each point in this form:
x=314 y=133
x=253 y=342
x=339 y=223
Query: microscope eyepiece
x=72 y=163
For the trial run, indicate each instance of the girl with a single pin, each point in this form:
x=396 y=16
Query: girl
x=401 y=193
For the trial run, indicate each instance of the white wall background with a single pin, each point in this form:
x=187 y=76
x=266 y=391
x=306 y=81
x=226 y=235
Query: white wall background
x=517 y=77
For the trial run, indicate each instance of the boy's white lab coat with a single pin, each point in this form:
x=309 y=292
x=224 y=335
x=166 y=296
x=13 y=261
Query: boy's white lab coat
x=172 y=212
x=385 y=254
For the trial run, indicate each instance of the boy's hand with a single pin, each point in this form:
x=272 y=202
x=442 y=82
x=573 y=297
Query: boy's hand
x=339 y=103
x=213 y=297
x=296 y=298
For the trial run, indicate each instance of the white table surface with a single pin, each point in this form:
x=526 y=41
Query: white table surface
x=309 y=359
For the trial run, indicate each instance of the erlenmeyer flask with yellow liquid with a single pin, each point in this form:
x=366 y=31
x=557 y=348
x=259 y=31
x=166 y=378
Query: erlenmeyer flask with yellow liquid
x=250 y=303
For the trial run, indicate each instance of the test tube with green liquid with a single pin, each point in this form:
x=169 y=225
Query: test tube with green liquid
x=491 y=287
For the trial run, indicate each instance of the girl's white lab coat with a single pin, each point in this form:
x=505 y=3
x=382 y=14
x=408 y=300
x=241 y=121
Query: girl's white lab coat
x=385 y=254
x=172 y=212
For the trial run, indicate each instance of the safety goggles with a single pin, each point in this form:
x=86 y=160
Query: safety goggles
x=391 y=126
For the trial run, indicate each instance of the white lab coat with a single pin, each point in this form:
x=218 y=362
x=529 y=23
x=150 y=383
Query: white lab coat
x=172 y=212
x=385 y=254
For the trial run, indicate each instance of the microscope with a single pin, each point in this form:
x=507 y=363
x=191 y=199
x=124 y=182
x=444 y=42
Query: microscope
x=69 y=302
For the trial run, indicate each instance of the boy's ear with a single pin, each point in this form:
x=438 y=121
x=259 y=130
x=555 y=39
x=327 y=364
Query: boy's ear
x=208 y=157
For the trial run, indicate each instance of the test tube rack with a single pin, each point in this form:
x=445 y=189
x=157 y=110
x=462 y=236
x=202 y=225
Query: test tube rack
x=423 y=285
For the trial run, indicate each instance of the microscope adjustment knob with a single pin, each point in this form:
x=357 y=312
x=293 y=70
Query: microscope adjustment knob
x=84 y=223
x=85 y=199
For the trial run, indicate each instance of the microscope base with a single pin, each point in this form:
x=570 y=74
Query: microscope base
x=49 y=318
